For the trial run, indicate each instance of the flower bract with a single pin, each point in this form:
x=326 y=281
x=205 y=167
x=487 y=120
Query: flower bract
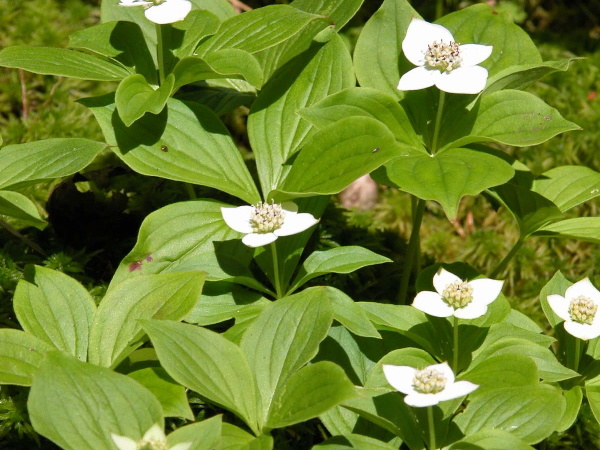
x=265 y=222
x=428 y=386
x=458 y=298
x=162 y=11
x=153 y=439
x=441 y=61
x=578 y=308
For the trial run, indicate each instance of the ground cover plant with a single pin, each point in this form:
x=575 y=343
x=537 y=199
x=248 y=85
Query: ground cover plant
x=226 y=324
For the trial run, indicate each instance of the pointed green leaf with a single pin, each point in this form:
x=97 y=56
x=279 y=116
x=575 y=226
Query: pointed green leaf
x=21 y=354
x=186 y=142
x=78 y=405
x=205 y=435
x=207 y=363
x=490 y=440
x=354 y=441
x=20 y=207
x=116 y=331
x=581 y=228
x=197 y=25
x=61 y=62
x=351 y=315
x=502 y=371
x=339 y=11
x=30 y=163
x=55 y=308
x=573 y=397
x=568 y=186
x=135 y=97
x=446 y=177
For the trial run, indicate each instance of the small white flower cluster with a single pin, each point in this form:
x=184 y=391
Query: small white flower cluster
x=162 y=11
x=153 y=439
x=578 y=308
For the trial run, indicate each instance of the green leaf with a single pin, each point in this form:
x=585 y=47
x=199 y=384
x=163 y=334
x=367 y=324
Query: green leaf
x=337 y=155
x=197 y=25
x=502 y=371
x=364 y=102
x=531 y=210
x=224 y=63
x=508 y=117
x=234 y=438
x=30 y=163
x=186 y=142
x=482 y=24
x=207 y=363
x=557 y=285
x=350 y=314
x=523 y=75
x=122 y=41
x=336 y=260
x=222 y=95
x=446 y=177
x=116 y=331
x=378 y=56
x=78 y=405
x=61 y=62
x=283 y=338
x=592 y=393
x=530 y=413
x=309 y=392
x=490 y=440
x=55 y=308
x=170 y=394
x=339 y=11
x=276 y=132
x=21 y=354
x=573 y=397
x=20 y=207
x=248 y=31
x=568 y=186
x=581 y=228
x=135 y=97
x=205 y=435
x=354 y=441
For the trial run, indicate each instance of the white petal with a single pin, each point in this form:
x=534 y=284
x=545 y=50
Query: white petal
x=582 y=330
x=445 y=369
x=473 y=54
x=418 y=37
x=123 y=442
x=181 y=446
x=168 y=12
x=472 y=311
x=420 y=400
x=464 y=80
x=560 y=306
x=294 y=223
x=485 y=290
x=155 y=433
x=583 y=288
x=458 y=389
x=238 y=218
x=417 y=78
x=258 y=239
x=400 y=377
x=431 y=303
x=442 y=279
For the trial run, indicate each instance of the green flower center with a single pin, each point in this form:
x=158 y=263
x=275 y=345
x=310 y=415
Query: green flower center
x=458 y=294
x=442 y=56
x=266 y=217
x=429 y=381
x=153 y=444
x=582 y=310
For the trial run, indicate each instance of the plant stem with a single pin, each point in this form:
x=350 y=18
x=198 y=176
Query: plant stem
x=27 y=241
x=431 y=428
x=438 y=120
x=160 y=54
x=455 y=351
x=502 y=266
x=577 y=354
x=276 y=270
x=439 y=9
x=190 y=191
x=411 y=252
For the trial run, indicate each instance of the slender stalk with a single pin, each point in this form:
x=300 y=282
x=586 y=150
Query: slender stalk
x=455 y=350
x=27 y=241
x=504 y=263
x=160 y=54
x=438 y=122
x=439 y=9
x=189 y=188
x=577 y=354
x=411 y=252
x=276 y=270
x=431 y=424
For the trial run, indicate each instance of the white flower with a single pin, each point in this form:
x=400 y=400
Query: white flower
x=265 y=222
x=454 y=297
x=153 y=439
x=428 y=386
x=578 y=309
x=162 y=11
x=441 y=61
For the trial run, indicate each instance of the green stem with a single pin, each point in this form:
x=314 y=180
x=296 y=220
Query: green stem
x=276 y=270
x=438 y=122
x=455 y=351
x=577 y=354
x=160 y=55
x=439 y=9
x=431 y=424
x=190 y=191
x=411 y=252
x=502 y=266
